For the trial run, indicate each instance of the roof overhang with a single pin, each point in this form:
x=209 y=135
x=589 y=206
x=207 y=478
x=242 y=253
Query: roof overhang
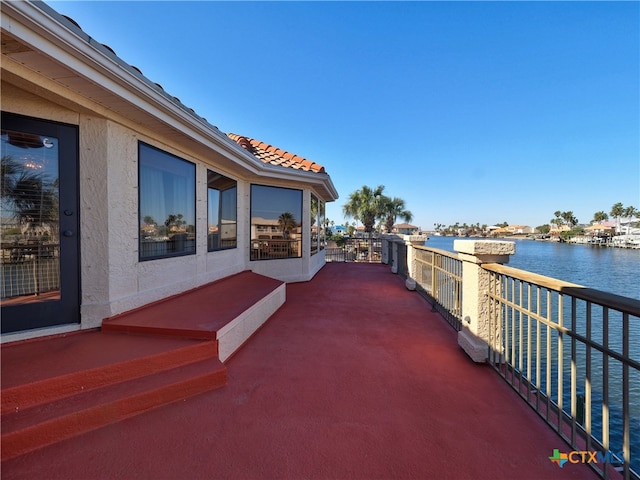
x=37 y=38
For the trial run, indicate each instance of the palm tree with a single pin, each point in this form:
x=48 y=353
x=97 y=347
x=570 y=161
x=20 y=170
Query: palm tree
x=600 y=217
x=569 y=218
x=617 y=211
x=394 y=208
x=365 y=205
x=31 y=196
x=287 y=222
x=631 y=212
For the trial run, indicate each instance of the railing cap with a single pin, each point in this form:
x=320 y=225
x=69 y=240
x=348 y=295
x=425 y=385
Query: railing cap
x=484 y=247
x=415 y=239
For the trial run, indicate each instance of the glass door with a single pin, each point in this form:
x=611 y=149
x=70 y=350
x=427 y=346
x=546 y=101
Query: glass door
x=39 y=224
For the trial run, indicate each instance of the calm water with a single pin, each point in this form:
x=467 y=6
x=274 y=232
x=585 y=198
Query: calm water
x=614 y=270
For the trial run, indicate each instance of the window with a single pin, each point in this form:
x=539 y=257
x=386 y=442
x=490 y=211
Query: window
x=222 y=212
x=317 y=216
x=276 y=225
x=167 y=204
x=313 y=216
x=322 y=225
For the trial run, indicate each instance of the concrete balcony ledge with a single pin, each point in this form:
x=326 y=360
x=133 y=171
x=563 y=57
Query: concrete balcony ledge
x=484 y=251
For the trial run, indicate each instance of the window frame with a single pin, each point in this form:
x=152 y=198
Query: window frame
x=142 y=146
x=220 y=209
x=314 y=220
x=275 y=248
x=322 y=216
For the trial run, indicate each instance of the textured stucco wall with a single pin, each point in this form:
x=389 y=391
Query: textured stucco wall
x=112 y=278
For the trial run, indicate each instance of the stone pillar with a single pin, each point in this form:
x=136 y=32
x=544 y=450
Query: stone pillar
x=474 y=336
x=411 y=241
x=394 y=256
x=386 y=238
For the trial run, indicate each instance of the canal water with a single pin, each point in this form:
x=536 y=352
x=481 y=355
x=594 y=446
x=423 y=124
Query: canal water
x=614 y=270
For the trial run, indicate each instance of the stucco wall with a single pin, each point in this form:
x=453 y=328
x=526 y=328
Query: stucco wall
x=112 y=278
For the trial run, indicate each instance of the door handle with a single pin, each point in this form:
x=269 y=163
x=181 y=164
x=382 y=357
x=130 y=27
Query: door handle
x=68 y=233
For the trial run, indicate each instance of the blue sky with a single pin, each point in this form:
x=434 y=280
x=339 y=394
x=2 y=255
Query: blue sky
x=470 y=111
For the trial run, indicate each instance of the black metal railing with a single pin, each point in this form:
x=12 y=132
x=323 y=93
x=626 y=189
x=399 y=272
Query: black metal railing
x=571 y=352
x=355 y=250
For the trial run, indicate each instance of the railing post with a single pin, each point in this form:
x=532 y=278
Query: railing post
x=475 y=335
x=385 y=238
x=411 y=241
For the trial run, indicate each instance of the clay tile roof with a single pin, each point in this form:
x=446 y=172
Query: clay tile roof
x=275 y=156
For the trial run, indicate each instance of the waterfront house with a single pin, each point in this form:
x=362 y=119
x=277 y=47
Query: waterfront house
x=600 y=229
x=512 y=230
x=405 y=229
x=555 y=230
x=153 y=199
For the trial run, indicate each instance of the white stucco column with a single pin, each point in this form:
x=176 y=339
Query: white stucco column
x=394 y=255
x=411 y=241
x=474 y=335
x=386 y=238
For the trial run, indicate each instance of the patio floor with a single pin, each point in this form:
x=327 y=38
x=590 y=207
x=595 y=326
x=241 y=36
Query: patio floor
x=353 y=378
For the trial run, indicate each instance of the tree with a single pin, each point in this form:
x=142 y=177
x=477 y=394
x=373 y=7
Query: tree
x=174 y=222
x=569 y=218
x=557 y=220
x=392 y=209
x=287 y=222
x=617 y=210
x=29 y=195
x=600 y=217
x=365 y=205
x=631 y=212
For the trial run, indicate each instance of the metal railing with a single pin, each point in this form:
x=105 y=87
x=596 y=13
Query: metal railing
x=438 y=276
x=29 y=269
x=565 y=349
x=355 y=250
x=268 y=249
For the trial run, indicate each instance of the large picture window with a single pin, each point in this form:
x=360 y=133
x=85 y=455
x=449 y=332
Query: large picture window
x=276 y=222
x=317 y=217
x=315 y=227
x=322 y=225
x=167 y=204
x=222 y=212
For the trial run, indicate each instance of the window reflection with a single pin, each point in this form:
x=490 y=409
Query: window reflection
x=167 y=204
x=222 y=212
x=30 y=254
x=322 y=226
x=276 y=222
x=313 y=216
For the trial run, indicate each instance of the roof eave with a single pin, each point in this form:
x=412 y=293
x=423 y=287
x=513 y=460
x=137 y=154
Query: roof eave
x=31 y=22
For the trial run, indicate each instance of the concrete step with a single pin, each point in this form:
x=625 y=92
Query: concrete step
x=63 y=416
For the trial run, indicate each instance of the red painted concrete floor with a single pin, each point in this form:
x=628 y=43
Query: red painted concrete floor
x=353 y=378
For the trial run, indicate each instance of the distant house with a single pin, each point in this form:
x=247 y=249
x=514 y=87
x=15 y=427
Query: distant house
x=555 y=231
x=151 y=199
x=600 y=229
x=405 y=229
x=511 y=230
